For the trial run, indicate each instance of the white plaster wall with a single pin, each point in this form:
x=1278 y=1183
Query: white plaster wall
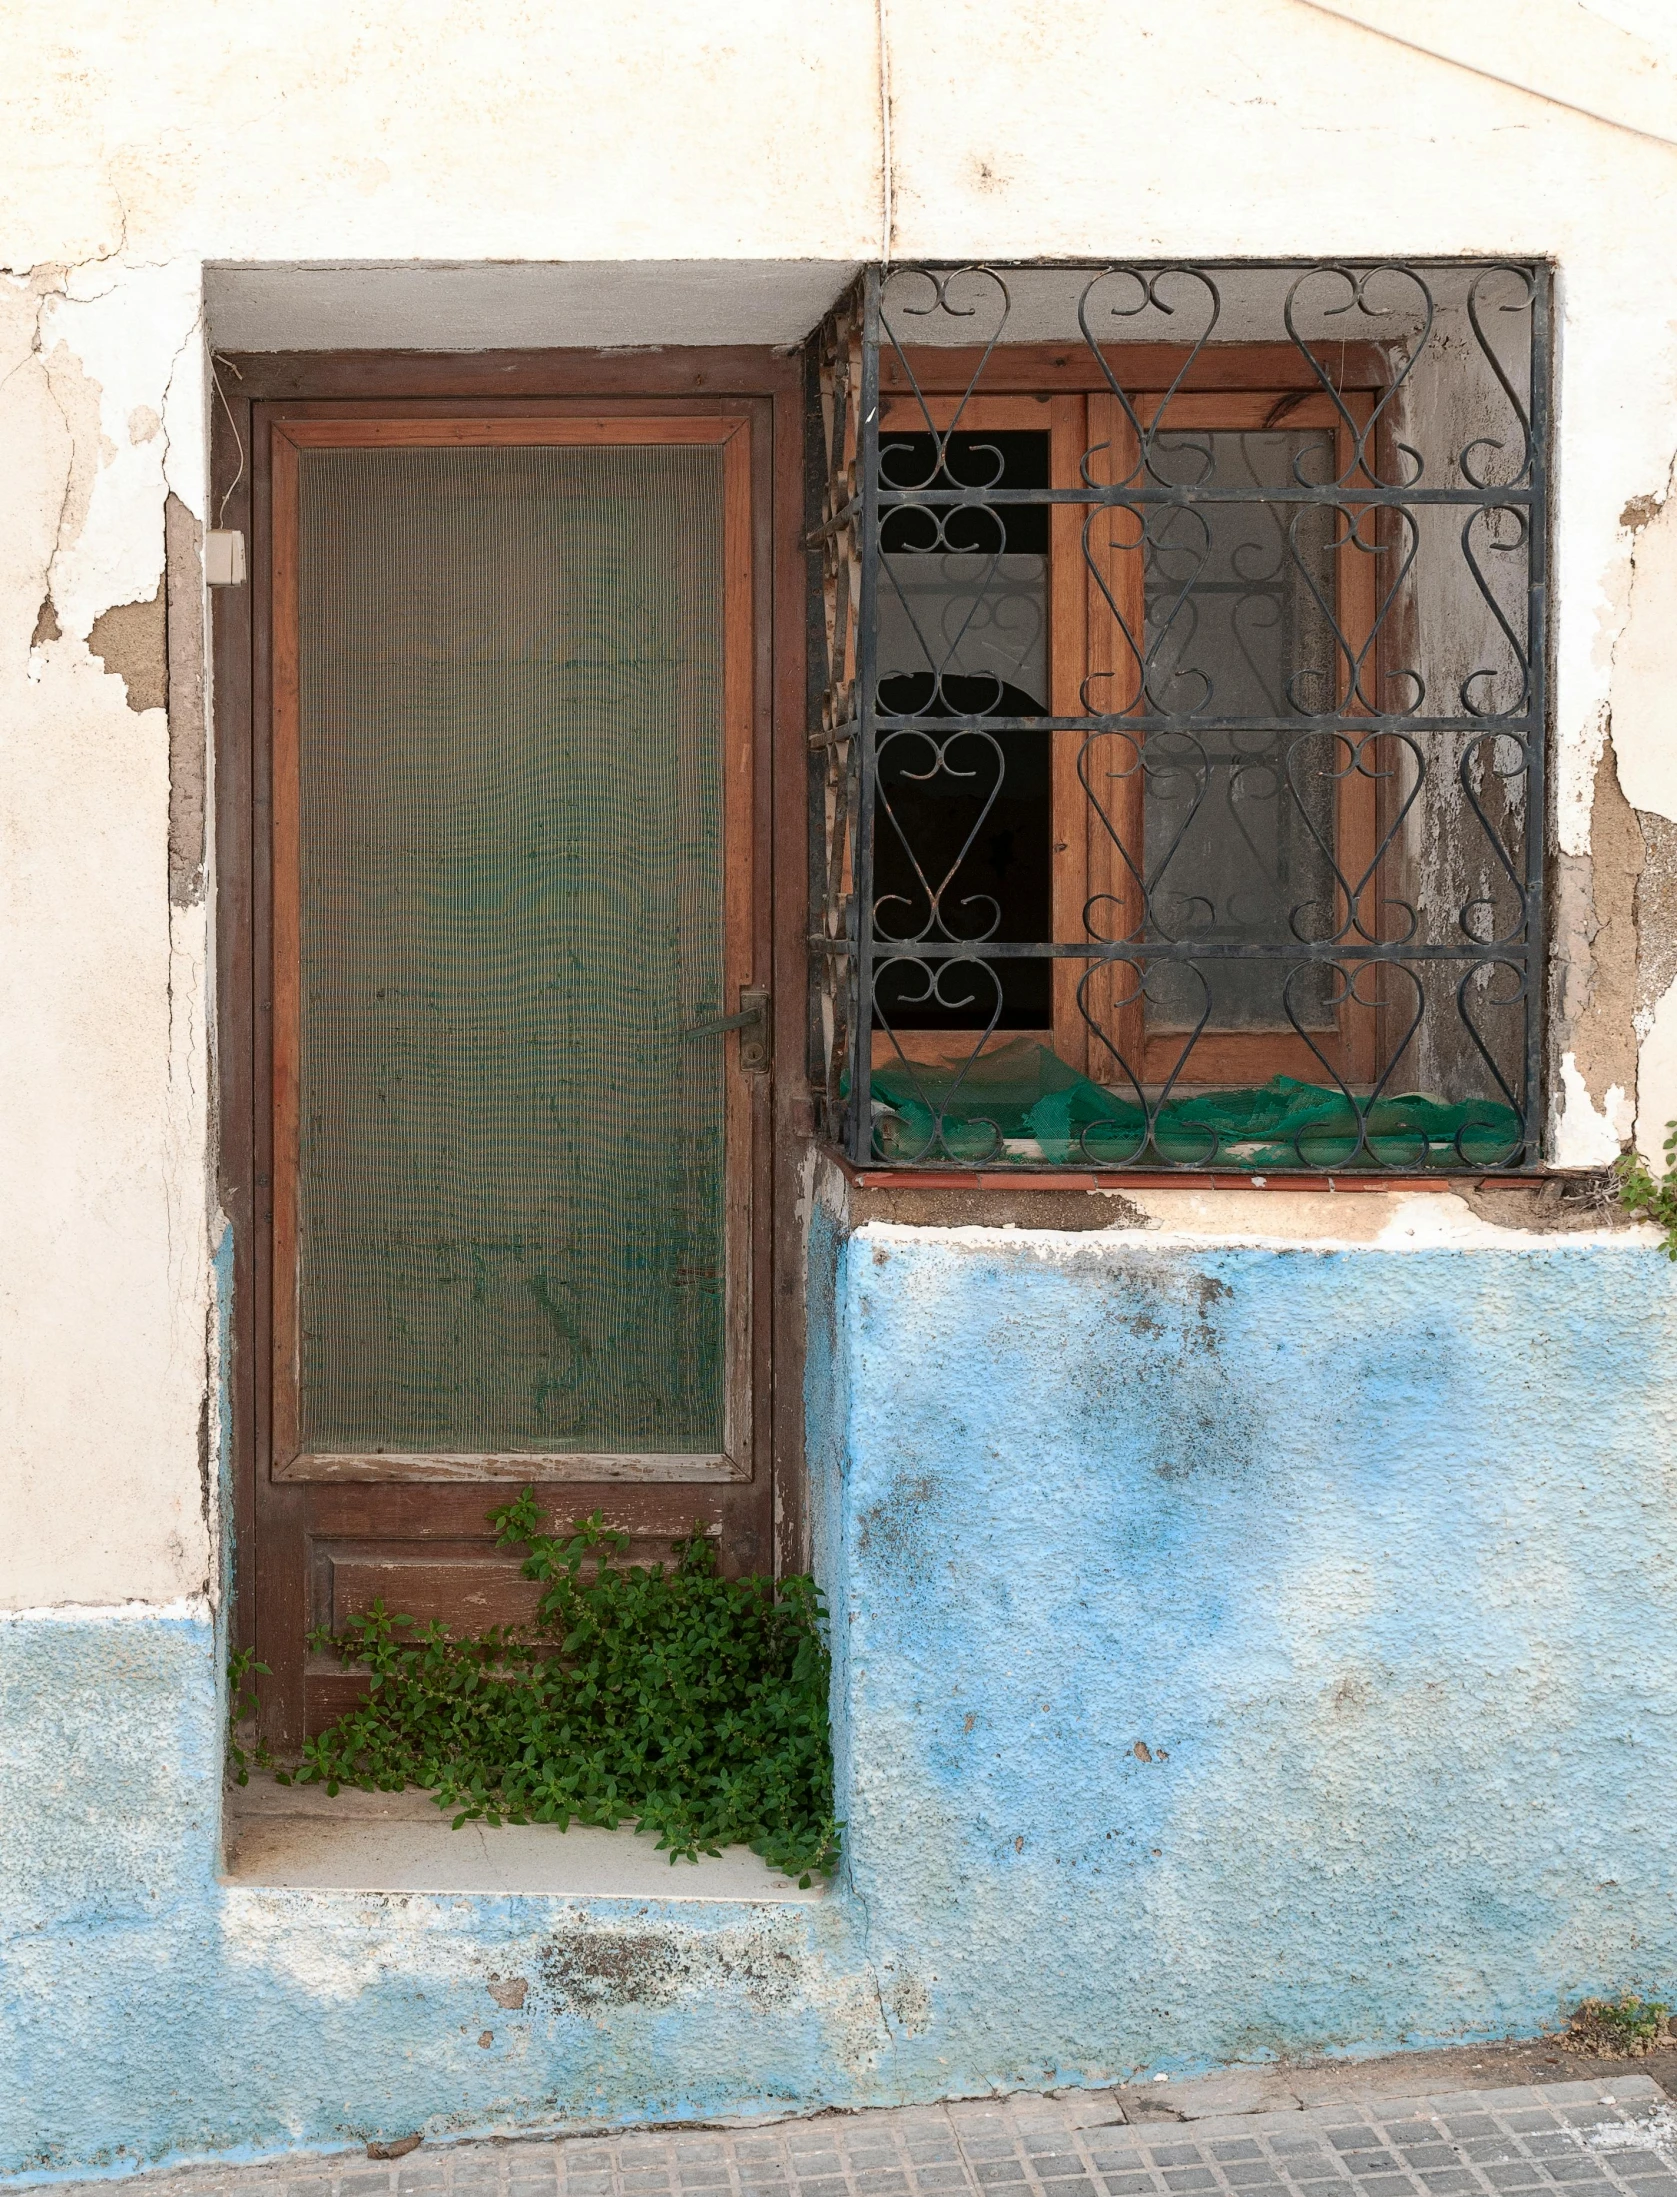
x=146 y=141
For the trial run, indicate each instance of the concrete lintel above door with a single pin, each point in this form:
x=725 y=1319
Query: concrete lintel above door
x=557 y=304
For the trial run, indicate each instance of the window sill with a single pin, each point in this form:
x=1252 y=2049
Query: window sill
x=910 y=1176
x=296 y=1838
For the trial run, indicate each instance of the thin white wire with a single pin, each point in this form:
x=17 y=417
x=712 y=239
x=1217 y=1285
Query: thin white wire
x=1480 y=68
x=238 y=439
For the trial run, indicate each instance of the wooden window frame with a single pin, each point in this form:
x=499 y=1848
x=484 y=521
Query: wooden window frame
x=1234 y=388
x=1227 y=1057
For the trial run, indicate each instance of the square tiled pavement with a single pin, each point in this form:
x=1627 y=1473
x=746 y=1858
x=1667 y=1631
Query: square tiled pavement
x=1594 y=2139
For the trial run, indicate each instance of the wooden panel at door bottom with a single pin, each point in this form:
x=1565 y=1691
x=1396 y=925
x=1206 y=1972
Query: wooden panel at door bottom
x=462 y=1581
x=467 y=1589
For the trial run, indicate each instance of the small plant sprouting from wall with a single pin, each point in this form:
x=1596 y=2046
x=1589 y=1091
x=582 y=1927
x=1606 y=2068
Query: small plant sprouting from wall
x=692 y=1704
x=1621 y=2028
x=1655 y=1200
x=242 y=1670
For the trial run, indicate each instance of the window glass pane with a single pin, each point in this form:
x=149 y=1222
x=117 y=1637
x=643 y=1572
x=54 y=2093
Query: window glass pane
x=963 y=631
x=1239 y=817
x=511 y=1164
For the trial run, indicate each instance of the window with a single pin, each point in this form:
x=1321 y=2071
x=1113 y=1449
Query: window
x=1179 y=771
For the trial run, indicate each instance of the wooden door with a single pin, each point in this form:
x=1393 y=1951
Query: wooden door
x=509 y=886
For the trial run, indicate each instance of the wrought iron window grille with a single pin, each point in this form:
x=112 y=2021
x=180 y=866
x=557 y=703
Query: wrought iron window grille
x=1178 y=757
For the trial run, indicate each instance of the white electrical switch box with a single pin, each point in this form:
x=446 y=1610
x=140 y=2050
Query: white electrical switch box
x=224 y=559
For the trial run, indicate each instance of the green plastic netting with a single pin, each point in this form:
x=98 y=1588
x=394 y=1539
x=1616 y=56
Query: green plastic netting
x=1020 y=1104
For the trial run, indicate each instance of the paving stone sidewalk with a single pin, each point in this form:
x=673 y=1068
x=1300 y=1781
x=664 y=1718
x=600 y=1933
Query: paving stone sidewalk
x=1589 y=2139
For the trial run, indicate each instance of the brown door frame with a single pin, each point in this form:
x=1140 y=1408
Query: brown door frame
x=762 y=1521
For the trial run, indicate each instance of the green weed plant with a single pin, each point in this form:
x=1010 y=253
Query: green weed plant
x=693 y=1705
x=242 y=1672
x=1625 y=2027
x=1655 y=1199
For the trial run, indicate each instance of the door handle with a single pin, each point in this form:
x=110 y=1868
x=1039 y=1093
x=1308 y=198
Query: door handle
x=753 y=1023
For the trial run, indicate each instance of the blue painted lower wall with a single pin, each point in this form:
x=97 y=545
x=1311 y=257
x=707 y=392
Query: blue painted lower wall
x=1254 y=1651
x=1237 y=1651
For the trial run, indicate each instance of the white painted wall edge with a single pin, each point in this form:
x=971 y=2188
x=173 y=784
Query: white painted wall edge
x=185 y=1609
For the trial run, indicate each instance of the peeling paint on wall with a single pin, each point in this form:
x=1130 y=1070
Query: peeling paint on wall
x=1594 y=957
x=188 y=732
x=1644 y=667
x=131 y=640
x=106 y=1155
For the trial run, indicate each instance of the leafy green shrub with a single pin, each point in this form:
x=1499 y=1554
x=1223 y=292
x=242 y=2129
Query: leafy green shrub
x=1625 y=2027
x=693 y=1704
x=1655 y=1200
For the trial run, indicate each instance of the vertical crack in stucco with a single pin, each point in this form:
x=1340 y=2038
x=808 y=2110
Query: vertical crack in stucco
x=206 y=1483
x=58 y=404
x=181 y=592
x=183 y=640
x=46 y=282
x=864 y=1946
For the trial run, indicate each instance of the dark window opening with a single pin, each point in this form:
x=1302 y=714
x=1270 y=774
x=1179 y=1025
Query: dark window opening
x=966 y=815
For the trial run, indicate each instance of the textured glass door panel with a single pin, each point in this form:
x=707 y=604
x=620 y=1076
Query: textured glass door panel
x=510 y=1191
